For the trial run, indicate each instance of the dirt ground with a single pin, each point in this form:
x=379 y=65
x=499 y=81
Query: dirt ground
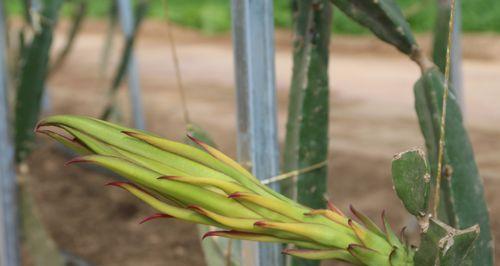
x=372 y=118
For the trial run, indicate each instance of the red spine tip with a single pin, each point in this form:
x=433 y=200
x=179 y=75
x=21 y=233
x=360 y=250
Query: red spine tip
x=285 y=251
x=168 y=177
x=117 y=184
x=353 y=246
x=334 y=208
x=192 y=138
x=197 y=209
x=355 y=212
x=210 y=234
x=38 y=130
x=38 y=126
x=195 y=140
x=77 y=160
x=235 y=195
x=383 y=217
x=402 y=234
x=155 y=216
x=129 y=133
x=260 y=223
x=350 y=222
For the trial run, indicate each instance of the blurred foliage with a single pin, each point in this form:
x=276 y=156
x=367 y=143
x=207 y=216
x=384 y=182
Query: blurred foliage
x=213 y=16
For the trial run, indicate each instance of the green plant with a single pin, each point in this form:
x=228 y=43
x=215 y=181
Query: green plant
x=30 y=72
x=32 y=75
x=309 y=105
x=78 y=16
x=207 y=187
x=460 y=191
x=440 y=244
x=121 y=70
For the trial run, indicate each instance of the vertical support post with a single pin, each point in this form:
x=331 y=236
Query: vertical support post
x=134 y=87
x=456 y=56
x=9 y=241
x=253 y=41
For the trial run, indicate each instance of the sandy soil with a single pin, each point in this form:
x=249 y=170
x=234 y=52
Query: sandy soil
x=372 y=118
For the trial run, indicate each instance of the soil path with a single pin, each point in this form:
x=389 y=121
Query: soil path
x=372 y=118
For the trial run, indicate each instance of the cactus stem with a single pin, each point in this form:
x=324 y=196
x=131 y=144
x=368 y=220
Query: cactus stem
x=419 y=57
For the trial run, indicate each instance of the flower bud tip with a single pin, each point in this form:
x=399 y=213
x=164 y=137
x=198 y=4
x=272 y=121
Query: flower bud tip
x=155 y=216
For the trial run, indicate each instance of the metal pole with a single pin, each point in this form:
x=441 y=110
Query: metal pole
x=9 y=241
x=134 y=87
x=456 y=56
x=253 y=41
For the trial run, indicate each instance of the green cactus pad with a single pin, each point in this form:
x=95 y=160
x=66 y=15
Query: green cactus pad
x=445 y=246
x=384 y=18
x=411 y=178
x=462 y=194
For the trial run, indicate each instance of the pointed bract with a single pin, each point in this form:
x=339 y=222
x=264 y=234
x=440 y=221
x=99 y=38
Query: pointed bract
x=154 y=217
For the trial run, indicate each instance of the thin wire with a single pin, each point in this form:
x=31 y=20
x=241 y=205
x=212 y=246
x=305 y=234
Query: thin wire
x=294 y=173
x=185 y=112
x=443 y=112
x=178 y=76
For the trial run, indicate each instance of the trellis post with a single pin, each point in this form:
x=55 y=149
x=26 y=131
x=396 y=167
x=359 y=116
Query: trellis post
x=456 y=56
x=253 y=45
x=127 y=24
x=9 y=237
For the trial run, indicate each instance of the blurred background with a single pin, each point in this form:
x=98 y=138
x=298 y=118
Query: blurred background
x=372 y=115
